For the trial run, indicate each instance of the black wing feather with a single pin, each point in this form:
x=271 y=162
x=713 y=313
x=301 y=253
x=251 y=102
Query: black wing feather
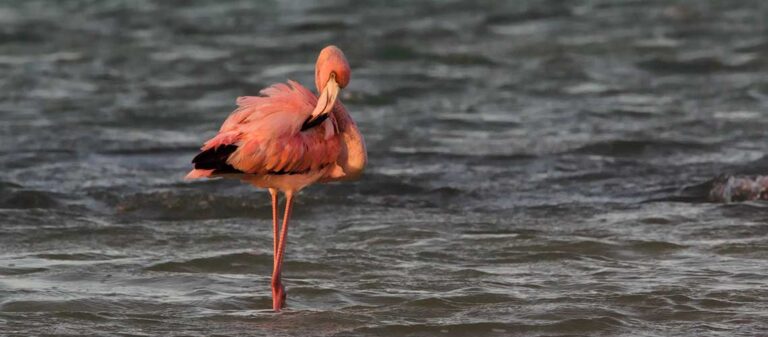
x=216 y=159
x=309 y=123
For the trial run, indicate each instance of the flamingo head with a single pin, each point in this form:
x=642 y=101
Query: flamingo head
x=332 y=73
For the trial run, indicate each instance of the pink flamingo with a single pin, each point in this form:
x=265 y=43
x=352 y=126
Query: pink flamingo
x=287 y=139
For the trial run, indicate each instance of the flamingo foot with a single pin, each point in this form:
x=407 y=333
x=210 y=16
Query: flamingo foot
x=278 y=296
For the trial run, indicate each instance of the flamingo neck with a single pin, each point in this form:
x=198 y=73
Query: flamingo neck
x=353 y=156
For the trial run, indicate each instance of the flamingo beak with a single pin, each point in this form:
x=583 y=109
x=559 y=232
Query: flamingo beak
x=327 y=99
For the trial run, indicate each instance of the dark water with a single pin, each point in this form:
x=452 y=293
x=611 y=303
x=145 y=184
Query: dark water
x=513 y=149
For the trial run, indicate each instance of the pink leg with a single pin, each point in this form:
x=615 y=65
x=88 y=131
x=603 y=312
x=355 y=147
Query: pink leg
x=275 y=228
x=278 y=291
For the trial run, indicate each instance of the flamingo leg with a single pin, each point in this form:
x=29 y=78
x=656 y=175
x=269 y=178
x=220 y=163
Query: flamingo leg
x=278 y=291
x=275 y=224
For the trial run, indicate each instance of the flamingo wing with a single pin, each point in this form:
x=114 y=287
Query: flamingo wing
x=270 y=134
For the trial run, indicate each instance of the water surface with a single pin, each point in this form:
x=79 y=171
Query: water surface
x=514 y=147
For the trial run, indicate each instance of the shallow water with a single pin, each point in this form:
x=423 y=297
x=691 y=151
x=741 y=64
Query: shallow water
x=527 y=163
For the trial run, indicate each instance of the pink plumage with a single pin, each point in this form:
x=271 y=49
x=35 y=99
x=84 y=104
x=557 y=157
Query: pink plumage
x=267 y=133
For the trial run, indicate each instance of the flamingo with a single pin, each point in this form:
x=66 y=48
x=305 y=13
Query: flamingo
x=286 y=139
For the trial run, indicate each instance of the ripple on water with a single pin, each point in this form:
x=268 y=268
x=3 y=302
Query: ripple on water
x=626 y=148
x=11 y=271
x=84 y=256
x=23 y=199
x=87 y=305
x=233 y=263
x=596 y=325
x=174 y=205
x=700 y=64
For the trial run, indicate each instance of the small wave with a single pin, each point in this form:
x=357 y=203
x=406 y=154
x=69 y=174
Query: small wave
x=657 y=220
x=235 y=303
x=445 y=154
x=479 y=297
x=654 y=247
x=81 y=306
x=698 y=65
x=755 y=167
x=150 y=150
x=585 y=325
x=191 y=53
x=175 y=204
x=76 y=305
x=26 y=199
x=529 y=14
x=235 y=263
x=405 y=53
x=319 y=25
x=467 y=329
x=79 y=256
x=751 y=249
x=579 y=326
x=624 y=148
x=10 y=271
x=532 y=258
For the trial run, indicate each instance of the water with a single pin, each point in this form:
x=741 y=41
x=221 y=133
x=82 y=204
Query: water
x=534 y=170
